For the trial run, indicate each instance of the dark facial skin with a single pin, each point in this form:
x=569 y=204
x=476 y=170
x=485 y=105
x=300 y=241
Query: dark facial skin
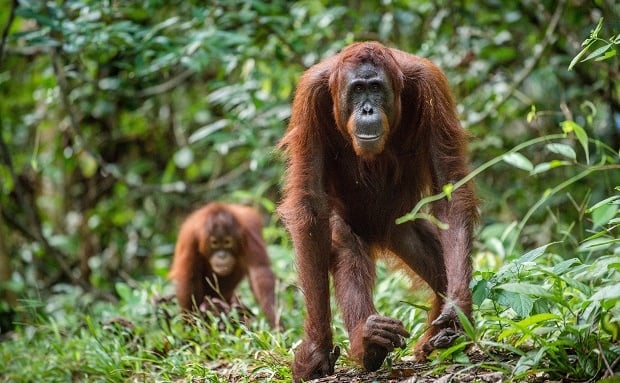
x=222 y=249
x=369 y=99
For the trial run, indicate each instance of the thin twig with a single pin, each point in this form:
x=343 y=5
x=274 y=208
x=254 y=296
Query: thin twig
x=166 y=86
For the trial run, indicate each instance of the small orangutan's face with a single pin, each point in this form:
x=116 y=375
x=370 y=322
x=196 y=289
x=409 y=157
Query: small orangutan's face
x=222 y=251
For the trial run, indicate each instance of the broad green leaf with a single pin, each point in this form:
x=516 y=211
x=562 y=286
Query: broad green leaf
x=508 y=270
x=607 y=292
x=521 y=303
x=604 y=202
x=525 y=288
x=562 y=267
x=596 y=243
x=602 y=215
x=518 y=160
x=480 y=292
x=563 y=150
x=538 y=318
x=546 y=166
x=534 y=254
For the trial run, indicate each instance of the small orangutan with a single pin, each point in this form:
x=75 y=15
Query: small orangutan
x=218 y=245
x=372 y=131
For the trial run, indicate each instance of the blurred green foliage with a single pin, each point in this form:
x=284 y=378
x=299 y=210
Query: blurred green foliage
x=119 y=117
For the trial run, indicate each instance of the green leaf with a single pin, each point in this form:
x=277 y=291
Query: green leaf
x=522 y=304
x=602 y=215
x=467 y=325
x=546 y=166
x=480 y=292
x=525 y=289
x=123 y=291
x=598 y=52
x=562 y=267
x=518 y=160
x=563 y=150
x=608 y=292
x=595 y=243
x=606 y=201
x=569 y=126
x=538 y=318
x=609 y=54
x=531 y=255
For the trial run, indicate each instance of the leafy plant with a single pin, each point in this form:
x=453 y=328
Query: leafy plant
x=605 y=48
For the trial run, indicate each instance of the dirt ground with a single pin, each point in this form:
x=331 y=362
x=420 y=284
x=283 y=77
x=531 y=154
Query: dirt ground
x=404 y=372
x=417 y=372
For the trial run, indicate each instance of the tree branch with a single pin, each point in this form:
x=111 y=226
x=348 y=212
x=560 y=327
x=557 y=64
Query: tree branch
x=166 y=86
x=7 y=27
x=34 y=221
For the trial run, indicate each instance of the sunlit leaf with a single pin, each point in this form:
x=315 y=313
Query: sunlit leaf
x=531 y=114
x=609 y=54
x=598 y=52
x=546 y=166
x=562 y=149
x=569 y=126
x=518 y=160
x=448 y=188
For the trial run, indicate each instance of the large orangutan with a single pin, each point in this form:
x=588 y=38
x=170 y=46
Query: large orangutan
x=374 y=129
x=218 y=245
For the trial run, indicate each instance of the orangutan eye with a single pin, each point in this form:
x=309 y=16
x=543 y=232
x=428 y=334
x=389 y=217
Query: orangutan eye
x=228 y=243
x=214 y=243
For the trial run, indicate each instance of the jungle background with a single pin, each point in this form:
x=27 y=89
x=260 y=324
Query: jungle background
x=118 y=117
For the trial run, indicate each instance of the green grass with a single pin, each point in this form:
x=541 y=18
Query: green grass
x=550 y=315
x=552 y=312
